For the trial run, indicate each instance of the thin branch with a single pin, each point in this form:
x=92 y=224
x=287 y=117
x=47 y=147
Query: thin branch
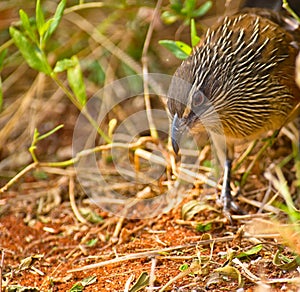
x=73 y=203
x=1 y=268
x=153 y=130
x=18 y=176
x=151 y=253
x=152 y=274
x=78 y=156
x=105 y=42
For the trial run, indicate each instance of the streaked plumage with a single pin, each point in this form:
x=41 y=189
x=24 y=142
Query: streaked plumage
x=240 y=80
x=244 y=67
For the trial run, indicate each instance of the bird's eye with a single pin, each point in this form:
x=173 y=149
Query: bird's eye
x=198 y=98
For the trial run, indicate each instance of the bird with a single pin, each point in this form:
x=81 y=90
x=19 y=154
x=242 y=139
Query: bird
x=239 y=82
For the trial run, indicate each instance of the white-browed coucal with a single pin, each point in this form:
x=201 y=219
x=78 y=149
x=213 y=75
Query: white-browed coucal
x=238 y=82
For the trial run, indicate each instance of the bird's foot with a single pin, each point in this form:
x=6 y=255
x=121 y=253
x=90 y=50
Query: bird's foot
x=229 y=205
x=226 y=199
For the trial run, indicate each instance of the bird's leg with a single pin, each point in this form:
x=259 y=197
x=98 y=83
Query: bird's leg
x=226 y=197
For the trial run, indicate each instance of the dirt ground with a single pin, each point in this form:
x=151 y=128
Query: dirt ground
x=41 y=247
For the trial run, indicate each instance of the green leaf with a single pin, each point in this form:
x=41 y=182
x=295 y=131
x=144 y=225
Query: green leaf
x=141 y=282
x=194 y=37
x=44 y=30
x=77 y=287
x=96 y=73
x=169 y=17
x=231 y=272
x=184 y=47
x=207 y=163
x=56 y=19
x=179 y=49
x=26 y=25
x=92 y=242
x=39 y=15
x=203 y=227
x=90 y=215
x=64 y=65
x=89 y=281
x=176 y=5
x=285 y=263
x=189 y=7
x=202 y=10
x=75 y=79
x=193 y=207
x=1 y=94
x=2 y=57
x=40 y=175
x=183 y=267
x=31 y=53
x=254 y=250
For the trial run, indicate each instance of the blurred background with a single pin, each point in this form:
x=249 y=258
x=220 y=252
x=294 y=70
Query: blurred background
x=108 y=38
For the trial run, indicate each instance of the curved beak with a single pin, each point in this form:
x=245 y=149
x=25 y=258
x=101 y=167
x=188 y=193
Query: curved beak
x=177 y=129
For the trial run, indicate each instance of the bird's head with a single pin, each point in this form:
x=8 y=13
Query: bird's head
x=189 y=102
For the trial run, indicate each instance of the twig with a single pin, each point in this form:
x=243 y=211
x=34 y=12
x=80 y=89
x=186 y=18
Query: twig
x=245 y=155
x=265 y=198
x=115 y=236
x=248 y=274
x=127 y=284
x=151 y=157
x=267 y=144
x=73 y=203
x=1 y=268
x=105 y=42
x=83 y=6
x=153 y=130
x=259 y=205
x=179 y=276
x=18 y=176
x=78 y=156
x=190 y=176
x=256 y=279
x=152 y=253
x=152 y=274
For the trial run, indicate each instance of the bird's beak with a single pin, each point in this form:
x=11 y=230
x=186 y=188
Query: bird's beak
x=178 y=127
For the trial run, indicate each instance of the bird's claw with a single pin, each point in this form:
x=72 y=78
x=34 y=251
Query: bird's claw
x=229 y=206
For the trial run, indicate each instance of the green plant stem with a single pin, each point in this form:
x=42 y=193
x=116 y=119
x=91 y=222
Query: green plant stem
x=6 y=45
x=286 y=160
x=282 y=187
x=267 y=144
x=245 y=155
x=79 y=155
x=82 y=109
x=33 y=145
x=19 y=175
x=286 y=6
x=32 y=153
x=66 y=91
